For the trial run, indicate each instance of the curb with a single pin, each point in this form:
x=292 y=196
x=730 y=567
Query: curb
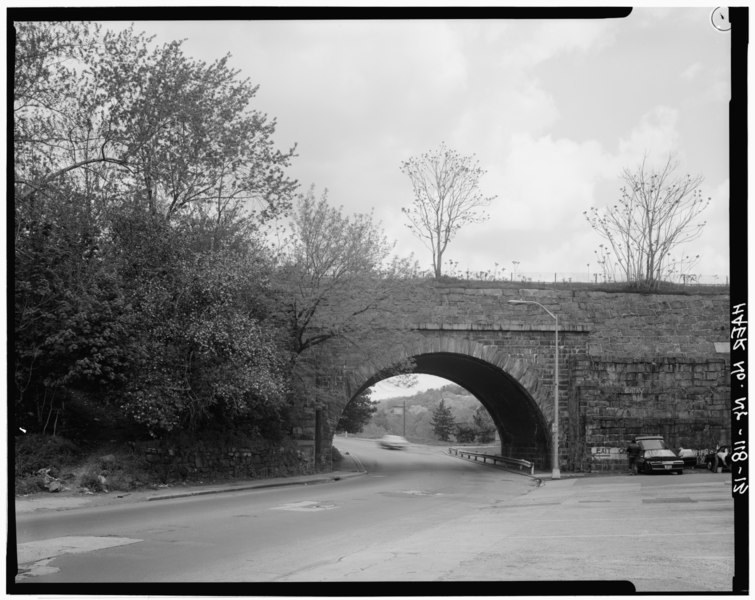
x=258 y=486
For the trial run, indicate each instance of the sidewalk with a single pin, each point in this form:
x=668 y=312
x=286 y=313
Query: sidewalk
x=70 y=499
x=548 y=475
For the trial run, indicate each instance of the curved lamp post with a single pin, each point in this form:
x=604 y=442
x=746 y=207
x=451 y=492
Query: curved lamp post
x=556 y=474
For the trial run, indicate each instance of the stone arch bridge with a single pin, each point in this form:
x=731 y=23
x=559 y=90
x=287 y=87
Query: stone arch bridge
x=628 y=364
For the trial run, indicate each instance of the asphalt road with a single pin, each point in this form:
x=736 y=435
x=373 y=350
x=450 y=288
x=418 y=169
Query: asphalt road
x=417 y=515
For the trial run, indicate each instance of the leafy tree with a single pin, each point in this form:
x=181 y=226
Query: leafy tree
x=357 y=413
x=189 y=133
x=141 y=180
x=656 y=213
x=210 y=349
x=336 y=282
x=112 y=112
x=446 y=197
x=465 y=433
x=484 y=425
x=74 y=327
x=443 y=421
x=52 y=106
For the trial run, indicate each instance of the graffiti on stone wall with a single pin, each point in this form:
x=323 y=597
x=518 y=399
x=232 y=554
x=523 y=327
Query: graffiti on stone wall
x=607 y=452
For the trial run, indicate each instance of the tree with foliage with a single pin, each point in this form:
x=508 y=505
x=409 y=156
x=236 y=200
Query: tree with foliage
x=211 y=353
x=446 y=197
x=443 y=421
x=357 y=413
x=336 y=282
x=141 y=178
x=465 y=433
x=116 y=113
x=657 y=212
x=484 y=425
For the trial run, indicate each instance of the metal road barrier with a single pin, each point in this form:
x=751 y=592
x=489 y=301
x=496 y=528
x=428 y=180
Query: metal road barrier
x=514 y=463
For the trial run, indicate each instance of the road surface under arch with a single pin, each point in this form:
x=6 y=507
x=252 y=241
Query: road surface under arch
x=520 y=423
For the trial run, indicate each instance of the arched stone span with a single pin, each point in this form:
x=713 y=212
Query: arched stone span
x=509 y=389
x=628 y=363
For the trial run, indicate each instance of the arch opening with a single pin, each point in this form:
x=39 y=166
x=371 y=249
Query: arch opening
x=521 y=426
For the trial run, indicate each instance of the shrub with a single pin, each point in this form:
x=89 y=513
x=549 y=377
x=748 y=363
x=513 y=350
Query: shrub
x=29 y=484
x=89 y=478
x=38 y=451
x=119 y=470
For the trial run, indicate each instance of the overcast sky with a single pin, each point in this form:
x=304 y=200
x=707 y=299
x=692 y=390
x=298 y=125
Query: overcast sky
x=552 y=109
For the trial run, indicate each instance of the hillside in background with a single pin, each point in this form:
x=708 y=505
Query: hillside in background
x=419 y=413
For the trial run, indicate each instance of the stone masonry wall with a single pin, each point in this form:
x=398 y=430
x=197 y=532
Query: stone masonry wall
x=685 y=400
x=631 y=363
x=218 y=459
x=618 y=324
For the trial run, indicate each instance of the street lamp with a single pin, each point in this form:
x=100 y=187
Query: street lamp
x=556 y=474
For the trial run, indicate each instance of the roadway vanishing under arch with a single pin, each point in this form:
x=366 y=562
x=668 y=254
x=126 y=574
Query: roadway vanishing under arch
x=520 y=423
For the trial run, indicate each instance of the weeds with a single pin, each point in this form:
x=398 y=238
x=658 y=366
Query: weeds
x=38 y=458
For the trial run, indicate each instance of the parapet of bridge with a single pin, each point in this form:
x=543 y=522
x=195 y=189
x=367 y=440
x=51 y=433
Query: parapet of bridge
x=630 y=364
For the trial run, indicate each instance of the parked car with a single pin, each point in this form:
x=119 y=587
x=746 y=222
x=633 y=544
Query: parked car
x=655 y=456
x=689 y=456
x=393 y=442
x=724 y=459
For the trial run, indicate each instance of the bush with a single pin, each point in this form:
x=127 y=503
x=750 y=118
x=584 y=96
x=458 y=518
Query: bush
x=89 y=478
x=104 y=469
x=29 y=484
x=39 y=451
x=117 y=471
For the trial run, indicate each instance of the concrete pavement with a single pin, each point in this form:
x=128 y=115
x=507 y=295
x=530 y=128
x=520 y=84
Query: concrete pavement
x=418 y=515
x=662 y=533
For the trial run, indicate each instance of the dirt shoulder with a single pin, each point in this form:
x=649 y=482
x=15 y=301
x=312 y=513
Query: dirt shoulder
x=67 y=499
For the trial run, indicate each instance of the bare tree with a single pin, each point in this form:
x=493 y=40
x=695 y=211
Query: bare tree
x=656 y=213
x=446 y=197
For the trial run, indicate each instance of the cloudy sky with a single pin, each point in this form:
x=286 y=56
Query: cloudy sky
x=552 y=109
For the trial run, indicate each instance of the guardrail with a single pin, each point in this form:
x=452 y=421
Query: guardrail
x=518 y=463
